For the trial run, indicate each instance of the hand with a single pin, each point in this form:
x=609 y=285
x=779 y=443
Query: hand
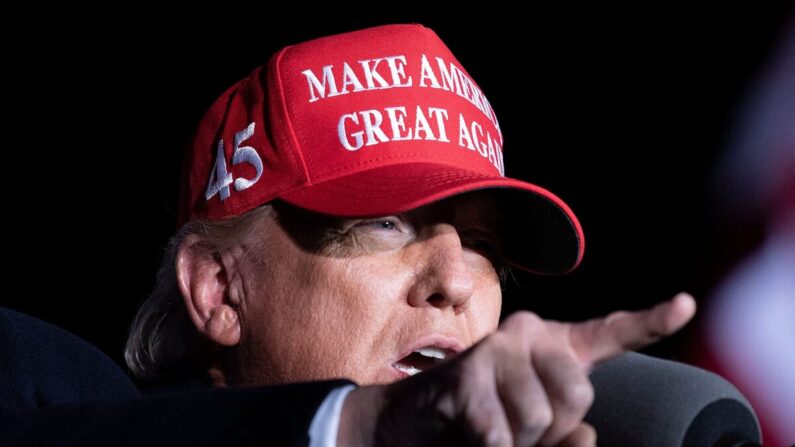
x=523 y=385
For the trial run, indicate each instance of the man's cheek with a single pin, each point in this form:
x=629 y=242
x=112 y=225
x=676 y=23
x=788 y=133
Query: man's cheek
x=485 y=312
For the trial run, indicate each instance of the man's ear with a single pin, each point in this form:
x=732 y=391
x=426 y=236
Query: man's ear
x=203 y=282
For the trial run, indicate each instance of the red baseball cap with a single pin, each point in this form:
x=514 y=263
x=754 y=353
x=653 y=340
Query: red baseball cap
x=368 y=123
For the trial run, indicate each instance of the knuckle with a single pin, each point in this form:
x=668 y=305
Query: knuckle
x=523 y=319
x=485 y=419
x=539 y=419
x=480 y=404
x=578 y=395
x=497 y=438
x=587 y=435
x=525 y=434
x=498 y=342
x=617 y=317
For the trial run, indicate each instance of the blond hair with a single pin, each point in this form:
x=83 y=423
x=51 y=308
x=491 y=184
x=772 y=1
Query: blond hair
x=163 y=344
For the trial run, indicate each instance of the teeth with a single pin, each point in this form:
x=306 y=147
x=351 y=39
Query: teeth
x=435 y=353
x=410 y=370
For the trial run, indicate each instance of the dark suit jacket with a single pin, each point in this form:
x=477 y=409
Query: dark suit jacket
x=55 y=389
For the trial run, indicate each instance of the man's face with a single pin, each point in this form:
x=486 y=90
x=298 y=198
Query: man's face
x=371 y=300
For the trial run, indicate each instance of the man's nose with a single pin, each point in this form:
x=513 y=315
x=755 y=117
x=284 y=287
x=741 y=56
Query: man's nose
x=443 y=277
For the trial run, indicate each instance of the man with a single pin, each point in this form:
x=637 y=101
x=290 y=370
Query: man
x=346 y=216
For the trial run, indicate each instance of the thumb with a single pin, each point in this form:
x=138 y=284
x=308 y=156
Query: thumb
x=600 y=339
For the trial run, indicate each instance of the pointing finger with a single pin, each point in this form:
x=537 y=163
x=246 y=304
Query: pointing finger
x=600 y=339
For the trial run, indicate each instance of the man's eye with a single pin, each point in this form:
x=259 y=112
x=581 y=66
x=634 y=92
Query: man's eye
x=385 y=224
x=379 y=224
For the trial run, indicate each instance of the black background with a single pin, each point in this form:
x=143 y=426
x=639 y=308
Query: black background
x=622 y=112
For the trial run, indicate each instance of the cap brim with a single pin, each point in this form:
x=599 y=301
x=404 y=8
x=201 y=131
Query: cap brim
x=542 y=234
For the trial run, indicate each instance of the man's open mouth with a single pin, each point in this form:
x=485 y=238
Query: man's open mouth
x=421 y=359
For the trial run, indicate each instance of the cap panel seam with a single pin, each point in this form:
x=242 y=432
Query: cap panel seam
x=287 y=116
